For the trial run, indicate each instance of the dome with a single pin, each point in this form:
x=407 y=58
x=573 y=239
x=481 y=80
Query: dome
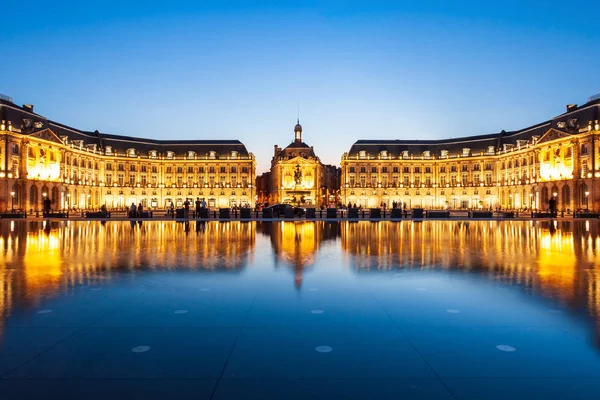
x=298 y=127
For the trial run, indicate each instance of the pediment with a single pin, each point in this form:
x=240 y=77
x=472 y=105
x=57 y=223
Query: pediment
x=299 y=160
x=47 y=134
x=553 y=134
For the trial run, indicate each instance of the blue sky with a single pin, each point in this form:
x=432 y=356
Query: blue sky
x=360 y=70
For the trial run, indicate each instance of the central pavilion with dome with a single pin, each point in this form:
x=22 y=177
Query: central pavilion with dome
x=297 y=175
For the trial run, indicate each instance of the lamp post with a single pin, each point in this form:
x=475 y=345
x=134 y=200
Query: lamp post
x=12 y=194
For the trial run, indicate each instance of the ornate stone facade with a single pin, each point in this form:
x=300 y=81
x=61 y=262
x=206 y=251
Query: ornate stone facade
x=523 y=169
x=297 y=176
x=83 y=170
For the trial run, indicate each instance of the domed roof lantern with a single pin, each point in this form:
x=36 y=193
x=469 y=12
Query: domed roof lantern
x=298 y=131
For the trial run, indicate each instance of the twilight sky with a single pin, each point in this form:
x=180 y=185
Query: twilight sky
x=360 y=69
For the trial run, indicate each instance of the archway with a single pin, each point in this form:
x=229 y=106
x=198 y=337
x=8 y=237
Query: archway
x=583 y=195
x=554 y=194
x=544 y=197
x=33 y=197
x=16 y=197
x=54 y=196
x=566 y=197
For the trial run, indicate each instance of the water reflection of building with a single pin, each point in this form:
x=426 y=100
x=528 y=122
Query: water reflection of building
x=558 y=259
x=39 y=260
x=297 y=243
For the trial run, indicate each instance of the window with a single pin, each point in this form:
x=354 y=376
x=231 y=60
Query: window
x=211 y=170
x=488 y=166
x=108 y=179
x=222 y=170
x=190 y=170
x=244 y=170
x=169 y=169
x=363 y=170
x=233 y=170
x=109 y=166
x=406 y=180
x=406 y=170
x=428 y=181
x=373 y=170
x=144 y=180
x=373 y=181
x=465 y=179
x=212 y=155
x=170 y=155
x=476 y=179
x=234 y=154
x=362 y=154
x=395 y=170
x=108 y=150
x=352 y=181
x=132 y=168
x=180 y=169
x=488 y=179
x=191 y=155
x=121 y=179
x=443 y=169
x=476 y=167
x=417 y=181
x=442 y=181
x=121 y=167
x=153 y=154
x=351 y=170
x=144 y=168
x=154 y=169
x=464 y=167
x=200 y=170
x=132 y=179
x=453 y=168
x=384 y=170
x=131 y=152
x=584 y=149
x=453 y=180
x=417 y=170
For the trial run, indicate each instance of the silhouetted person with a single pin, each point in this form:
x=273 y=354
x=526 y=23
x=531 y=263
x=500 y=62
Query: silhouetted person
x=198 y=207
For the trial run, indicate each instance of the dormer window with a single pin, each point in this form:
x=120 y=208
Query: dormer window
x=384 y=154
x=153 y=154
x=170 y=155
x=490 y=150
x=234 y=154
x=108 y=150
x=130 y=152
x=405 y=154
x=212 y=155
x=362 y=154
x=466 y=152
x=427 y=154
x=191 y=155
x=444 y=154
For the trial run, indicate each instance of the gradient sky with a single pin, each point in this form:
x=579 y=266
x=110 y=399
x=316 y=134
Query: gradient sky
x=360 y=70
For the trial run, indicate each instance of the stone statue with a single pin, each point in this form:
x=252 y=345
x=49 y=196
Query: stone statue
x=298 y=175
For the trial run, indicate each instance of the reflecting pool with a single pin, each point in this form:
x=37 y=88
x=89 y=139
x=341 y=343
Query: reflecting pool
x=285 y=310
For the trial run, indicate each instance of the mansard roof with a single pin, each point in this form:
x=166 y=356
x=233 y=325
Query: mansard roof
x=19 y=116
x=573 y=121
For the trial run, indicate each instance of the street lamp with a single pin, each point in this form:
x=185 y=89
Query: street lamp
x=13 y=201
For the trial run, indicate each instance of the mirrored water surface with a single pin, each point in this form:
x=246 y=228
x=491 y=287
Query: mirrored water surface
x=433 y=309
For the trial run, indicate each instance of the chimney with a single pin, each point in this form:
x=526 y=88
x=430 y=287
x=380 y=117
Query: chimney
x=28 y=107
x=571 y=107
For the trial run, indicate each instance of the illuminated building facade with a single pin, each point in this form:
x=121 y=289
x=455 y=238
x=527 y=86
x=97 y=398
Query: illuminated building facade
x=522 y=169
x=297 y=175
x=81 y=169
